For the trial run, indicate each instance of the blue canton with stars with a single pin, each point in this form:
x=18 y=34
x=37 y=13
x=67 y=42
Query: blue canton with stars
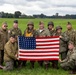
x=26 y=42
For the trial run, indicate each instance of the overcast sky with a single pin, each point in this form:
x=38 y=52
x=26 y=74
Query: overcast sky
x=48 y=7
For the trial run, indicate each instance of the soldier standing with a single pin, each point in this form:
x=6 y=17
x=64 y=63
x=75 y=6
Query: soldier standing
x=17 y=32
x=63 y=42
x=51 y=28
x=71 y=33
x=30 y=32
x=43 y=32
x=3 y=40
x=69 y=63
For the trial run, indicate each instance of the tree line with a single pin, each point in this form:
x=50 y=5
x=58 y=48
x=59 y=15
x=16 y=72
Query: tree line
x=18 y=14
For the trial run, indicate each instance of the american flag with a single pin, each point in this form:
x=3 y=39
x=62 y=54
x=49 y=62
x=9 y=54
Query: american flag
x=40 y=48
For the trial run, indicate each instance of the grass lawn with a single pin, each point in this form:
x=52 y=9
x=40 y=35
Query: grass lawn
x=37 y=70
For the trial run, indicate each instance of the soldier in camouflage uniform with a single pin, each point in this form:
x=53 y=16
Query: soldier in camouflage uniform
x=3 y=40
x=69 y=63
x=15 y=30
x=71 y=33
x=30 y=32
x=43 y=32
x=52 y=32
x=51 y=28
x=10 y=53
x=63 y=41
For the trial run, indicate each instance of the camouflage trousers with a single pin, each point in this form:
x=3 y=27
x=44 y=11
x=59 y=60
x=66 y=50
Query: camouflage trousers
x=68 y=65
x=9 y=65
x=63 y=55
x=1 y=57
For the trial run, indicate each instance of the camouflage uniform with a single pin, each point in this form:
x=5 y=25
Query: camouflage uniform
x=72 y=35
x=63 y=44
x=52 y=30
x=9 y=55
x=3 y=40
x=70 y=61
x=43 y=33
x=16 y=32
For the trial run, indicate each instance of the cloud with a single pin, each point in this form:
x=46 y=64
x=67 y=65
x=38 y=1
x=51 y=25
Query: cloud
x=48 y=7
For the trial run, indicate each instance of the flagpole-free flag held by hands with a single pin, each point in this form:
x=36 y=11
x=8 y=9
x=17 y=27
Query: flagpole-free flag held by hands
x=40 y=48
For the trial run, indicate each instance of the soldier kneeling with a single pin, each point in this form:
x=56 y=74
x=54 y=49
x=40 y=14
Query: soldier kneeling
x=10 y=53
x=69 y=63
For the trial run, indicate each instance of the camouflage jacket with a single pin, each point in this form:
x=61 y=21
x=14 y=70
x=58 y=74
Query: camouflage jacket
x=63 y=41
x=52 y=32
x=43 y=33
x=71 y=57
x=72 y=35
x=17 y=31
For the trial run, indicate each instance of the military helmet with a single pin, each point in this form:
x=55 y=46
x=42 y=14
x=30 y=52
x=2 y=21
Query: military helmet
x=13 y=35
x=30 y=23
x=70 y=42
x=68 y=23
x=58 y=27
x=51 y=23
x=15 y=21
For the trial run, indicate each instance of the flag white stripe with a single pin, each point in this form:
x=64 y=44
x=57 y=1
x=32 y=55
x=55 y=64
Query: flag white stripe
x=47 y=39
x=39 y=53
x=39 y=57
x=38 y=50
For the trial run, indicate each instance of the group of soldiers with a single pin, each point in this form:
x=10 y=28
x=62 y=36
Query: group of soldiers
x=9 y=45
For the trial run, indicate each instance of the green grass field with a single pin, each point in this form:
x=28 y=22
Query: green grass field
x=37 y=70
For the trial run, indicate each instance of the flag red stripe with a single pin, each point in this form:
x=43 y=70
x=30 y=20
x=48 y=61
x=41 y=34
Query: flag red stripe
x=38 y=55
x=49 y=48
x=45 y=59
x=38 y=51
